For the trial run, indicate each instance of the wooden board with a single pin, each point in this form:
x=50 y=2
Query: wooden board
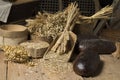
x=110 y=34
x=100 y=26
x=15 y=71
x=115 y=20
x=110 y=69
x=24 y=72
x=3 y=67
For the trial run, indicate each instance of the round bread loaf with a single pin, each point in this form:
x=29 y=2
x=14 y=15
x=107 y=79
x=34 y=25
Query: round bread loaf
x=98 y=45
x=86 y=63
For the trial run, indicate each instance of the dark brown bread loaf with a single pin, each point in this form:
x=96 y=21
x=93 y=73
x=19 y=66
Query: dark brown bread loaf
x=88 y=49
x=86 y=37
x=98 y=45
x=80 y=38
x=94 y=43
x=86 y=63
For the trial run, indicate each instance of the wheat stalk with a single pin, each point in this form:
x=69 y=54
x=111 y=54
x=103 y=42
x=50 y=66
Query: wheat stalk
x=62 y=40
x=104 y=13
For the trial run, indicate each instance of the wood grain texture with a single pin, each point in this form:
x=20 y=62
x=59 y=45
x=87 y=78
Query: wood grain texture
x=38 y=72
x=24 y=72
x=3 y=66
x=110 y=69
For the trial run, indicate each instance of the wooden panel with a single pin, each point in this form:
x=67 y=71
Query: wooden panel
x=38 y=72
x=110 y=69
x=110 y=34
x=58 y=70
x=24 y=72
x=100 y=26
x=3 y=67
x=115 y=21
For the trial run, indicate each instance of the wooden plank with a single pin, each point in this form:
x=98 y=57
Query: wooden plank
x=99 y=27
x=60 y=5
x=115 y=20
x=110 y=69
x=97 y=8
x=57 y=70
x=24 y=72
x=110 y=34
x=97 y=5
x=38 y=72
x=3 y=67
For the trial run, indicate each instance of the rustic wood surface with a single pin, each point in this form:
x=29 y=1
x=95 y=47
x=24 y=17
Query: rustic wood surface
x=110 y=34
x=100 y=26
x=24 y=72
x=115 y=20
x=110 y=70
x=3 y=67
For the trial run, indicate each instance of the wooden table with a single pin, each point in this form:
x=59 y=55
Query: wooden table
x=15 y=71
x=110 y=70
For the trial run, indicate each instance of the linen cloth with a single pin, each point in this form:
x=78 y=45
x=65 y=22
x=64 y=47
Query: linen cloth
x=5 y=8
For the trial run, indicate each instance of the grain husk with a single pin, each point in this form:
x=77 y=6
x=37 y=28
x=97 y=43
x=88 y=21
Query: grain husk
x=16 y=54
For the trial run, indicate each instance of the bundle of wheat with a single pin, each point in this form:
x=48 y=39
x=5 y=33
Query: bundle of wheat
x=104 y=13
x=62 y=41
x=47 y=25
x=50 y=25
